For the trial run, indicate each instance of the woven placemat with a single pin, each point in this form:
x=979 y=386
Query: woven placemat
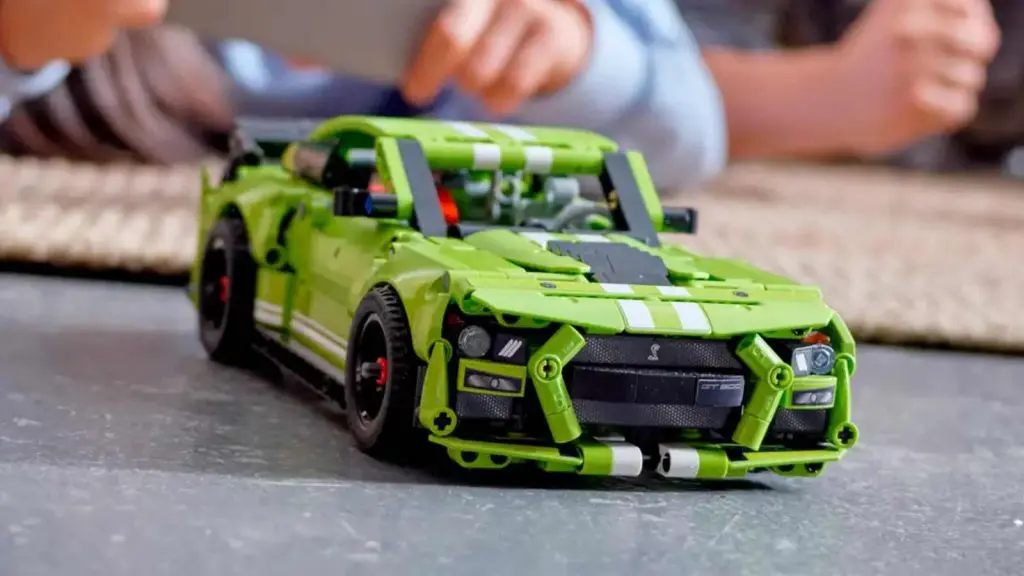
x=905 y=257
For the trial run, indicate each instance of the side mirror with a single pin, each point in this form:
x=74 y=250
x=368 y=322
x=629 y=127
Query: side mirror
x=680 y=220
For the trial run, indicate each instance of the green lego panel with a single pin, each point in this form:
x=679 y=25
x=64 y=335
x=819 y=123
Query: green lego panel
x=520 y=337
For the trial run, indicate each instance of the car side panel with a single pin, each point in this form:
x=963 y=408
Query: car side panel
x=422 y=280
x=332 y=257
x=270 y=307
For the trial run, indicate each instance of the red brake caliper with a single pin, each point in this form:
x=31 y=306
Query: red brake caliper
x=225 y=289
x=383 y=378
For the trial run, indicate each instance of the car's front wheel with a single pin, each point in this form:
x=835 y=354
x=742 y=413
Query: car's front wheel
x=380 y=376
x=227 y=285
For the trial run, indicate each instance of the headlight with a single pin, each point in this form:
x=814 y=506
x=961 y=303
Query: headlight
x=482 y=381
x=474 y=342
x=821 y=397
x=814 y=359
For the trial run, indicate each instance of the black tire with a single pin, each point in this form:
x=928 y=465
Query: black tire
x=227 y=293
x=380 y=404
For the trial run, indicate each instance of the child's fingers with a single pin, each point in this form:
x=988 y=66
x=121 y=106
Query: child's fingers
x=947 y=106
x=35 y=33
x=139 y=13
x=448 y=41
x=529 y=68
x=494 y=49
x=972 y=32
x=957 y=72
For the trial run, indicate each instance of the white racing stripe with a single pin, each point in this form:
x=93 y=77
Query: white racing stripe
x=616 y=288
x=674 y=291
x=486 y=156
x=593 y=238
x=692 y=317
x=267 y=313
x=627 y=459
x=513 y=132
x=539 y=159
x=316 y=360
x=541 y=238
x=468 y=130
x=264 y=317
x=320 y=340
x=313 y=324
x=324 y=338
x=637 y=314
x=268 y=306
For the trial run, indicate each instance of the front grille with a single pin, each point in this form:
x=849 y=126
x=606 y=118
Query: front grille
x=799 y=421
x=637 y=381
x=660 y=352
x=650 y=415
x=655 y=382
x=627 y=385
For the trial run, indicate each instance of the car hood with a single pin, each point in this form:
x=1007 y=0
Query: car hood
x=613 y=284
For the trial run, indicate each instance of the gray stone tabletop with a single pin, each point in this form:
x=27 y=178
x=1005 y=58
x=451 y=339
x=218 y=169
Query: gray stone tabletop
x=124 y=452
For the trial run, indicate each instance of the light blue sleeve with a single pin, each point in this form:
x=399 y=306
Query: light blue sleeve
x=17 y=86
x=647 y=87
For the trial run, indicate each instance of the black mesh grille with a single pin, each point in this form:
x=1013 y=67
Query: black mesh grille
x=647 y=381
x=693 y=353
x=650 y=415
x=483 y=406
x=800 y=421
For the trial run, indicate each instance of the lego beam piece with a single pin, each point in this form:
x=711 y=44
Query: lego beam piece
x=429 y=215
x=373 y=39
x=627 y=460
x=625 y=198
x=678 y=461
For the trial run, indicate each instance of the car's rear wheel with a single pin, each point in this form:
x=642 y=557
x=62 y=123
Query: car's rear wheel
x=227 y=285
x=380 y=376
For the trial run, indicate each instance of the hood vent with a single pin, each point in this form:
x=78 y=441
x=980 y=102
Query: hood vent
x=612 y=263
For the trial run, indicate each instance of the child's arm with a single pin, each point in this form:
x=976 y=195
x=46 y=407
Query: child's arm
x=783 y=104
x=906 y=70
x=647 y=86
x=45 y=35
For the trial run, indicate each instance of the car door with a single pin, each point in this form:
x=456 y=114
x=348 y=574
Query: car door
x=334 y=258
x=314 y=245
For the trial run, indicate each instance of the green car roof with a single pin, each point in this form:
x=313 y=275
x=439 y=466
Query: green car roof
x=482 y=146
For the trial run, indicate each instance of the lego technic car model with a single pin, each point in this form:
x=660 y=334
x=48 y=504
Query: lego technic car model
x=452 y=281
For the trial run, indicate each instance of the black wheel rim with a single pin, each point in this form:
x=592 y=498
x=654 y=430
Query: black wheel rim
x=215 y=286
x=372 y=369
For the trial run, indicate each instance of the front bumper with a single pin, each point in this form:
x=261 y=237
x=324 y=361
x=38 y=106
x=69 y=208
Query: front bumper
x=617 y=457
x=745 y=391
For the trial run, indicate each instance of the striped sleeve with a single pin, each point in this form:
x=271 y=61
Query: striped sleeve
x=17 y=86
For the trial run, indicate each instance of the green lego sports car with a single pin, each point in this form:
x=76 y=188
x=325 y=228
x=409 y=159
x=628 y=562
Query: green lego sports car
x=502 y=292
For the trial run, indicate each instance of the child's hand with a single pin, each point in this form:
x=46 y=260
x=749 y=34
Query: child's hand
x=915 y=68
x=35 y=32
x=502 y=52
